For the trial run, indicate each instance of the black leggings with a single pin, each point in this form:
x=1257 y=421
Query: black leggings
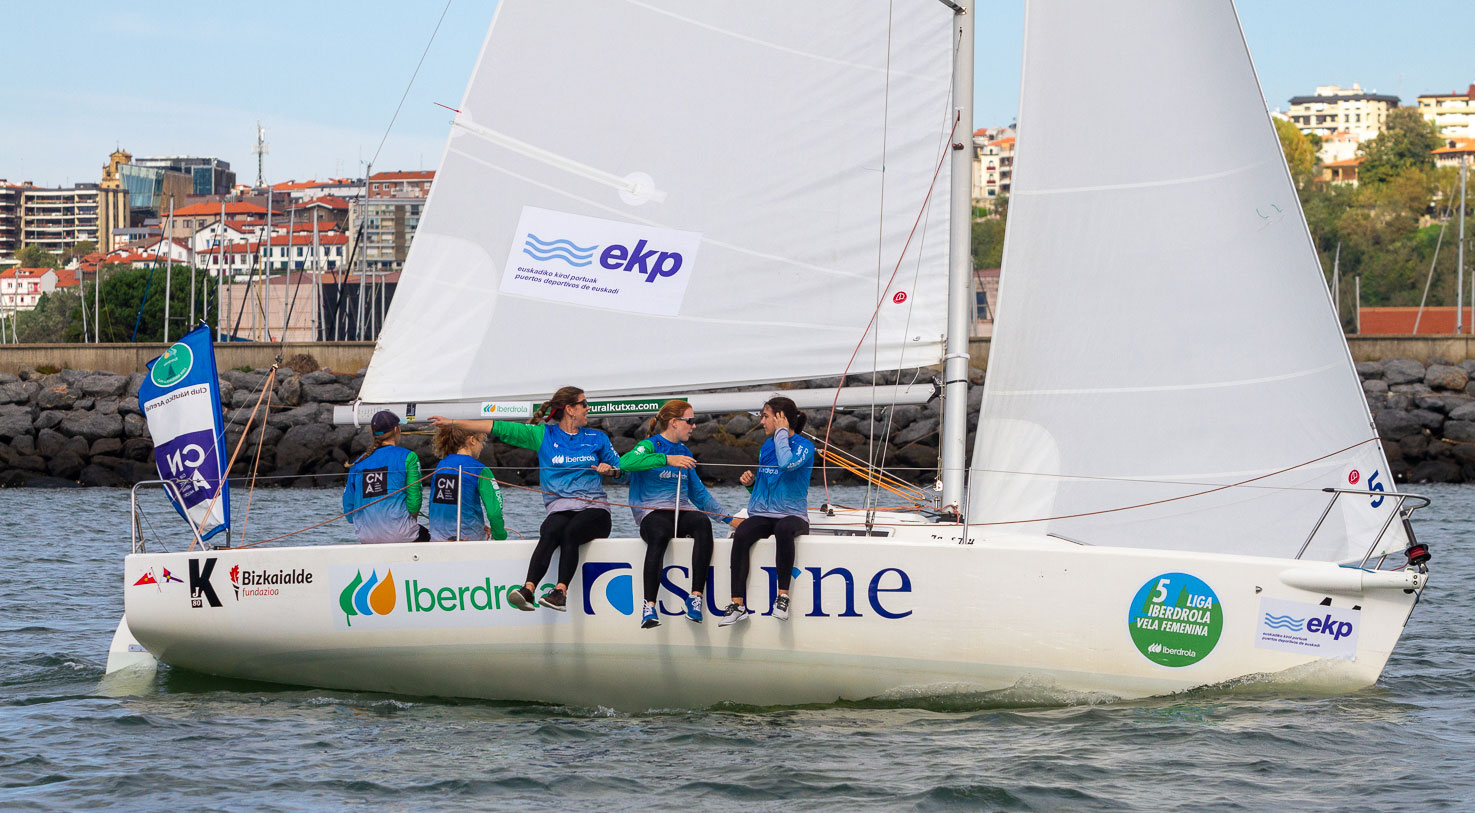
x=565 y=531
x=656 y=530
x=753 y=529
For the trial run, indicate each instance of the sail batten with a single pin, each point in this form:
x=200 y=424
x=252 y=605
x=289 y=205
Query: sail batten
x=766 y=126
x=1162 y=309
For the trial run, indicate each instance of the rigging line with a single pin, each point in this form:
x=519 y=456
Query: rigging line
x=255 y=466
x=880 y=254
x=876 y=311
x=411 y=83
x=1443 y=224
x=225 y=476
x=1170 y=499
x=337 y=517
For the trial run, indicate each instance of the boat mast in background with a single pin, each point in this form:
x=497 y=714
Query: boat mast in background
x=953 y=449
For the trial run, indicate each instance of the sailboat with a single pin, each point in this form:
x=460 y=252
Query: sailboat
x=1175 y=483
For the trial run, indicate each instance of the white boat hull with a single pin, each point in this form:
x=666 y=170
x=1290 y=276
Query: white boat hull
x=916 y=613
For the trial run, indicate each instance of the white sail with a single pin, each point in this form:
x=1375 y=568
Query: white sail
x=1163 y=327
x=659 y=196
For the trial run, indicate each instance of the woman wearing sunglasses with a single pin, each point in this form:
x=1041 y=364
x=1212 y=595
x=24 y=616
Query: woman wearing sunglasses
x=571 y=459
x=778 y=507
x=663 y=472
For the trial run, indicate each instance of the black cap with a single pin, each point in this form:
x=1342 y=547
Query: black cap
x=383 y=422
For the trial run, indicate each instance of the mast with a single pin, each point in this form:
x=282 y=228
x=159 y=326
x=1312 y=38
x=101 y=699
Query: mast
x=1460 y=257
x=168 y=266
x=222 y=307
x=952 y=451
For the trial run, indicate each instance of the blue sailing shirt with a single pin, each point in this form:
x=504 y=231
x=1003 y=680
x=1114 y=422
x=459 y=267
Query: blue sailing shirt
x=781 y=486
x=565 y=462
x=374 y=484
x=462 y=481
x=653 y=484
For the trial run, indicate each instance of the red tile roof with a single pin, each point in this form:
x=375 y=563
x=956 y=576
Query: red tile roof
x=419 y=175
x=236 y=208
x=65 y=278
x=329 y=201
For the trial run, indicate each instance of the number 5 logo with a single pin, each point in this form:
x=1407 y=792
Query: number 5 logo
x=1161 y=593
x=1374 y=485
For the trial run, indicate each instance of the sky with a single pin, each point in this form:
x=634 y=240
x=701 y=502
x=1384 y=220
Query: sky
x=164 y=77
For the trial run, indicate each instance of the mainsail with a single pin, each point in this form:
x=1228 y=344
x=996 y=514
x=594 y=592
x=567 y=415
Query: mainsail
x=1163 y=328
x=657 y=196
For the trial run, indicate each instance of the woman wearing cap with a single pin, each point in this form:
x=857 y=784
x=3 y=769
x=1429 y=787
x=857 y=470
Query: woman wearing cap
x=778 y=507
x=462 y=488
x=382 y=495
x=663 y=472
x=571 y=459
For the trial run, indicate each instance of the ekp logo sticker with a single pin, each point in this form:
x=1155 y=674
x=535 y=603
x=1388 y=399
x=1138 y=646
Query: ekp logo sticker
x=600 y=263
x=1308 y=629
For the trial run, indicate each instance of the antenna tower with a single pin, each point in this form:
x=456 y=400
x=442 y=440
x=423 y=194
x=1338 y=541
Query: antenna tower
x=261 y=149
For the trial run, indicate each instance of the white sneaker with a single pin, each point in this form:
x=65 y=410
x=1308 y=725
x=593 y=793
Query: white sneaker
x=735 y=613
x=781 y=608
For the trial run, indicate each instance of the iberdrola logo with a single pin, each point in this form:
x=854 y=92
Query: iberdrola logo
x=372 y=597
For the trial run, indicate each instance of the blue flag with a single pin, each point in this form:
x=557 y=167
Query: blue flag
x=180 y=397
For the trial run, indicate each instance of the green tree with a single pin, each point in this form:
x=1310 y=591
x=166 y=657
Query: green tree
x=50 y=319
x=34 y=256
x=125 y=289
x=1299 y=153
x=1405 y=143
x=988 y=242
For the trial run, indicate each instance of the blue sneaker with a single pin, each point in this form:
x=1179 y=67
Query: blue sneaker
x=694 y=608
x=648 y=617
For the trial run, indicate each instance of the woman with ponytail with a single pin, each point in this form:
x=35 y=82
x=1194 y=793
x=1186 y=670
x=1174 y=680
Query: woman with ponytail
x=465 y=501
x=778 y=507
x=571 y=459
x=663 y=484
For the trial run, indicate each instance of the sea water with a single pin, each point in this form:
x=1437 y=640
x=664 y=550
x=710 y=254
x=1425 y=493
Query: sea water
x=188 y=741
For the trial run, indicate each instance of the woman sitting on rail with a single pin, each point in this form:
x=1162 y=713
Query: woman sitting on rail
x=462 y=488
x=778 y=507
x=571 y=458
x=382 y=495
x=663 y=472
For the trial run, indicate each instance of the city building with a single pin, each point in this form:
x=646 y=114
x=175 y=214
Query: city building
x=208 y=176
x=1332 y=108
x=401 y=184
x=1338 y=146
x=57 y=219
x=345 y=188
x=996 y=167
x=188 y=220
x=385 y=227
x=21 y=288
x=1344 y=171
x=1454 y=152
x=1453 y=114
x=10 y=200
x=151 y=189
x=328 y=211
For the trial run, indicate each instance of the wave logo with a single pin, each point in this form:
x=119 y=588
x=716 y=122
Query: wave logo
x=619 y=590
x=1285 y=622
x=1155 y=648
x=558 y=249
x=371 y=597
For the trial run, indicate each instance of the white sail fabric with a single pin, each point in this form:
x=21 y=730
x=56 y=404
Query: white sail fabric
x=725 y=157
x=1163 y=326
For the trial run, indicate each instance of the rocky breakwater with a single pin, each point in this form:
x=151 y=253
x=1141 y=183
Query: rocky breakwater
x=1425 y=416
x=79 y=427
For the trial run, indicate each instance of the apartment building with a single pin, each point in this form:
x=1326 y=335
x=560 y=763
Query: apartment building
x=21 y=288
x=1332 y=108
x=1453 y=114
x=995 y=167
x=346 y=188
x=401 y=184
x=207 y=176
x=57 y=219
x=10 y=198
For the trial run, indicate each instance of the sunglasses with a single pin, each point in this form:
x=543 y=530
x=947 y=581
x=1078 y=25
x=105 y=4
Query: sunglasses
x=689 y=421
x=584 y=404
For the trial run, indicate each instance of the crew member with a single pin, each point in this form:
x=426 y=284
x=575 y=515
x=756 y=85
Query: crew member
x=571 y=459
x=382 y=495
x=662 y=478
x=462 y=488
x=778 y=506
